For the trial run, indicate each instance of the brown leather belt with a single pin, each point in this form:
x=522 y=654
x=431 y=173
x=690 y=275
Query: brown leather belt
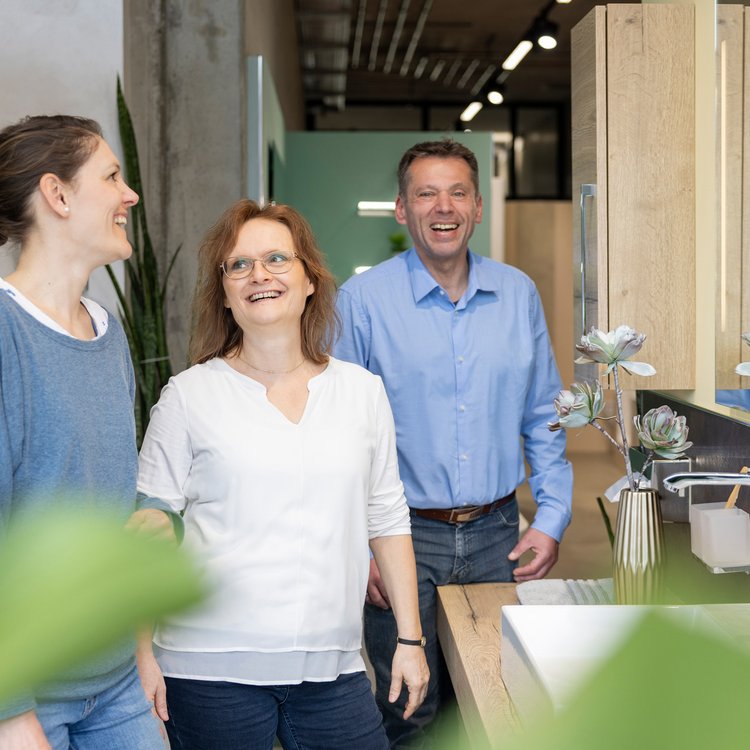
x=464 y=514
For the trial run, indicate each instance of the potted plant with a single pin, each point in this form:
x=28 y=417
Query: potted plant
x=638 y=554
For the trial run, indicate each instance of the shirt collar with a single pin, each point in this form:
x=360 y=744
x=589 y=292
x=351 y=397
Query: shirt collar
x=422 y=282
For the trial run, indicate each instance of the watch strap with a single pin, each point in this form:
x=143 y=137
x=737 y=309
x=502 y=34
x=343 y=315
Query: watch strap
x=408 y=642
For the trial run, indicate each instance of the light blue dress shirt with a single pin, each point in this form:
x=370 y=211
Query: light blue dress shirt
x=471 y=385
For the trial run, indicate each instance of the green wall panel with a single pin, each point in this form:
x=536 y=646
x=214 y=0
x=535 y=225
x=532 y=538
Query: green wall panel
x=324 y=174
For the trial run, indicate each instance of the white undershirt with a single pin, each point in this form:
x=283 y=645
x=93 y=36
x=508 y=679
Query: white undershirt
x=279 y=516
x=98 y=315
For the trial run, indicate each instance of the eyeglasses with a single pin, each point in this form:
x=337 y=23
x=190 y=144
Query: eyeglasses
x=239 y=267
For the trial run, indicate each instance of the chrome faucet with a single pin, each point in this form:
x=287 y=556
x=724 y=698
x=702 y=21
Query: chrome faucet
x=677 y=482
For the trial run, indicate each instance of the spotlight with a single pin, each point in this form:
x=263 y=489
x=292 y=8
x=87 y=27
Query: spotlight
x=470 y=112
x=495 y=97
x=544 y=33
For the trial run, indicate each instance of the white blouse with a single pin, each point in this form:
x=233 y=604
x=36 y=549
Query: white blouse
x=279 y=515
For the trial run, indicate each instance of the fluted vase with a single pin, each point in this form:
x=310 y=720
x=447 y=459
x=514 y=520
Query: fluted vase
x=639 y=553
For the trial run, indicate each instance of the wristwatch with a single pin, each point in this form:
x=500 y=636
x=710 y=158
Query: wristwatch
x=407 y=642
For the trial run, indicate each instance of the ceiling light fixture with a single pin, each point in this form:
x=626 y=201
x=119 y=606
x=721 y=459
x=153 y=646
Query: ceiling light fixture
x=470 y=112
x=376 y=208
x=544 y=33
x=514 y=58
x=494 y=96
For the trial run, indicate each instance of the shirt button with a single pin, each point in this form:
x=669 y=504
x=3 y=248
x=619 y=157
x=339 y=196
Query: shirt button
x=462 y=408
x=464 y=457
x=460 y=359
x=442 y=293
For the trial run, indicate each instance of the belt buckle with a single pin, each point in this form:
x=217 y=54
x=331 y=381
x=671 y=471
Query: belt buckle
x=469 y=515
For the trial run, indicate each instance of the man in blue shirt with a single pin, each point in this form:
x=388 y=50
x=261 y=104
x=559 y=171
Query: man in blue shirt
x=463 y=349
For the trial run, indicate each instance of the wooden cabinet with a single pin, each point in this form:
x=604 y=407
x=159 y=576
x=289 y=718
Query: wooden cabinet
x=733 y=175
x=633 y=130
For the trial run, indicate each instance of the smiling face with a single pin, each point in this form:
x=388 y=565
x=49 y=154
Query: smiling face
x=263 y=298
x=98 y=205
x=440 y=208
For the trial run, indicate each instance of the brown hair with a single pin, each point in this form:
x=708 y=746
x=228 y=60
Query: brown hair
x=215 y=332
x=58 y=144
x=445 y=149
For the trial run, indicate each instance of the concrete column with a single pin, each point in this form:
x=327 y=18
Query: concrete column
x=185 y=86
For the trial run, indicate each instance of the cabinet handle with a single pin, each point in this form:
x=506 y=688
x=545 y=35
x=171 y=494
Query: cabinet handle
x=588 y=190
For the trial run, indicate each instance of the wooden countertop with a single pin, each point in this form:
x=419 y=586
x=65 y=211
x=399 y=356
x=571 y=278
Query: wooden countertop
x=468 y=621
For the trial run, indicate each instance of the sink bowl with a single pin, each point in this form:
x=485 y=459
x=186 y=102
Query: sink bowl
x=548 y=651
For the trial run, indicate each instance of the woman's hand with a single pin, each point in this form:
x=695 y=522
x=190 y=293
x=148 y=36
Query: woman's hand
x=410 y=667
x=152 y=679
x=23 y=732
x=152 y=522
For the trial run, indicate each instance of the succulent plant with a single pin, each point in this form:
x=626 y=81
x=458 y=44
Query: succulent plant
x=614 y=348
x=580 y=408
x=663 y=432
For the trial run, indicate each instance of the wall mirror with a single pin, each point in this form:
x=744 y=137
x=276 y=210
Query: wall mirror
x=733 y=202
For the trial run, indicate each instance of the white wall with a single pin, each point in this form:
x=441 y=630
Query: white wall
x=62 y=57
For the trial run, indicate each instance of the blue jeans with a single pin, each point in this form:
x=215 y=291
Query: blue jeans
x=472 y=552
x=116 y=719
x=337 y=715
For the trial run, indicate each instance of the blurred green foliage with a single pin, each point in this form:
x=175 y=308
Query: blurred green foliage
x=73 y=583
x=398 y=242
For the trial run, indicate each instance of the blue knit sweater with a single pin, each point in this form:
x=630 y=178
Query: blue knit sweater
x=66 y=430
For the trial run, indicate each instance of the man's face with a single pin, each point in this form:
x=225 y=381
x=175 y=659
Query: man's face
x=440 y=207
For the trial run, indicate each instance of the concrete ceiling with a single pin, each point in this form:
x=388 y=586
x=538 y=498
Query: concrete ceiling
x=422 y=52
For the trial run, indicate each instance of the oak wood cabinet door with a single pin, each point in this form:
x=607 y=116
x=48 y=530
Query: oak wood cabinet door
x=633 y=130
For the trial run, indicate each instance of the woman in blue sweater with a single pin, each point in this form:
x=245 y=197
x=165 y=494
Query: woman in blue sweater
x=66 y=400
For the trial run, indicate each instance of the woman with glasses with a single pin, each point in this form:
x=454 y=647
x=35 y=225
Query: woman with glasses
x=283 y=461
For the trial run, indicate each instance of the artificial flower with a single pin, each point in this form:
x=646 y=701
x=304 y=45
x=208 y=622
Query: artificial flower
x=663 y=432
x=614 y=348
x=578 y=409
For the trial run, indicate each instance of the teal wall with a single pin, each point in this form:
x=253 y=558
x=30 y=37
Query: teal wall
x=324 y=174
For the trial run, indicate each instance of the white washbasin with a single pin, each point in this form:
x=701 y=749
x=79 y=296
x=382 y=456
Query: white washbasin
x=548 y=651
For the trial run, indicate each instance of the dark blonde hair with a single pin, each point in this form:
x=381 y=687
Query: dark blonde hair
x=35 y=146
x=215 y=332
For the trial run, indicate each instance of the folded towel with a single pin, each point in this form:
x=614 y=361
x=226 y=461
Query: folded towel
x=566 y=591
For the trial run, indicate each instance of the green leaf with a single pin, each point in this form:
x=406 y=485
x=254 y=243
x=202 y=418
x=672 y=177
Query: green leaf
x=607 y=522
x=72 y=583
x=143 y=305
